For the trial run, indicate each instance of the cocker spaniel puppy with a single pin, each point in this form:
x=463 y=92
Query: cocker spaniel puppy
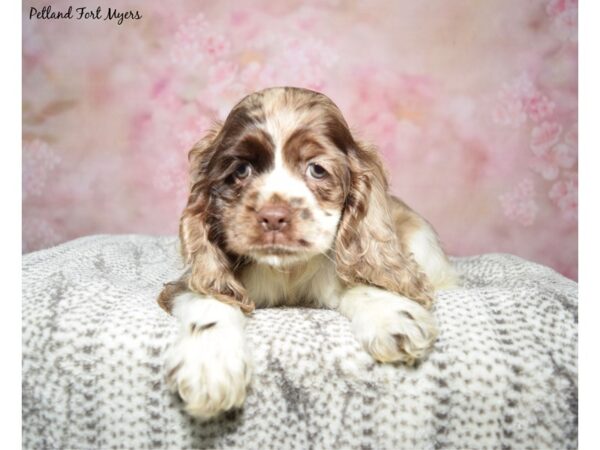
x=287 y=208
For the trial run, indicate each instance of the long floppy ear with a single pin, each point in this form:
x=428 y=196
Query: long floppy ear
x=367 y=248
x=210 y=269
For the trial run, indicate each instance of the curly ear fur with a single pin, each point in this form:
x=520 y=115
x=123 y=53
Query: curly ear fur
x=210 y=268
x=367 y=248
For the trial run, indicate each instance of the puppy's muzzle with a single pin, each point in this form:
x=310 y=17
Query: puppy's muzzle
x=274 y=217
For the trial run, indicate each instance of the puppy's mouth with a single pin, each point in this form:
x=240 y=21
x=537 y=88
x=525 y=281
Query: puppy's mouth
x=279 y=242
x=278 y=249
x=280 y=255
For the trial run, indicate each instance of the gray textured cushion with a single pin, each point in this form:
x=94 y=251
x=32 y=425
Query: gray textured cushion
x=503 y=373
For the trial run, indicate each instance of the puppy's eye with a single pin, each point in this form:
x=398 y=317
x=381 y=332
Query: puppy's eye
x=316 y=171
x=243 y=171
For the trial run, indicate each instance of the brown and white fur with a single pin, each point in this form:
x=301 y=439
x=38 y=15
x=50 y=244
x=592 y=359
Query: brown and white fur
x=287 y=208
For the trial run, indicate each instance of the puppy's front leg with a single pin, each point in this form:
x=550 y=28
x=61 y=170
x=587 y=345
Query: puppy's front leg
x=208 y=365
x=389 y=326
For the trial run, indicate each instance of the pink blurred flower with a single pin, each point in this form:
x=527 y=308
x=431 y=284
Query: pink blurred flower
x=566 y=24
x=556 y=7
x=566 y=155
x=549 y=162
x=392 y=108
x=563 y=194
x=544 y=136
x=539 y=107
x=519 y=204
x=39 y=162
x=509 y=112
x=564 y=14
x=301 y=61
x=215 y=46
x=294 y=59
x=222 y=73
x=519 y=99
x=186 y=48
x=512 y=98
x=521 y=87
x=401 y=93
x=571 y=137
x=196 y=41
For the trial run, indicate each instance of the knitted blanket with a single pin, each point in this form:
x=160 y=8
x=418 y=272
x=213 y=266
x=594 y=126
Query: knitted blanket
x=503 y=372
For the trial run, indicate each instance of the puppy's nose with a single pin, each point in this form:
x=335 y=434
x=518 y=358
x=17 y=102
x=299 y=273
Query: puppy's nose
x=274 y=217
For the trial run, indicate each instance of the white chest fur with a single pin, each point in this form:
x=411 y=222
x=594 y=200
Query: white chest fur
x=311 y=283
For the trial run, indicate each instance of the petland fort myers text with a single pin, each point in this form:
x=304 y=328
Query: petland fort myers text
x=84 y=13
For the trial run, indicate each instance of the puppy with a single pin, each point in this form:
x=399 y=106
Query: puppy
x=287 y=208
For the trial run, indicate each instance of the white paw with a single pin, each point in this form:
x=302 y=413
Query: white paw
x=393 y=328
x=209 y=367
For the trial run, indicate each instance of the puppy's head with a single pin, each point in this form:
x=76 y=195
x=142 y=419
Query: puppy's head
x=280 y=181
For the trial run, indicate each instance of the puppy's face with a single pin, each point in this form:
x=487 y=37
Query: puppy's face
x=281 y=181
x=278 y=176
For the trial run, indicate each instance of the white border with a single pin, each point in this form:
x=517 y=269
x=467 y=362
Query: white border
x=10 y=235
x=10 y=179
x=589 y=223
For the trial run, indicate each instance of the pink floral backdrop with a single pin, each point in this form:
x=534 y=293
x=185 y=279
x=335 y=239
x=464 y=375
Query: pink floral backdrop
x=472 y=104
